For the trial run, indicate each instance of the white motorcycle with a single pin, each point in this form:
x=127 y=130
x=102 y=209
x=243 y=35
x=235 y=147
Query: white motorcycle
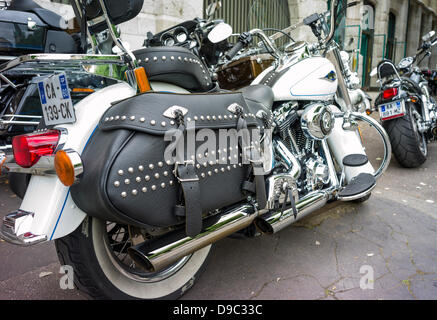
x=135 y=222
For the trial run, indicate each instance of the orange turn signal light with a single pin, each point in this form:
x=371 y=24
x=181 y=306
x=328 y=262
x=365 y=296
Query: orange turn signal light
x=83 y=90
x=142 y=80
x=68 y=166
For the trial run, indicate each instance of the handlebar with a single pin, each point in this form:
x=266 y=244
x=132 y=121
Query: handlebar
x=246 y=38
x=234 y=51
x=310 y=21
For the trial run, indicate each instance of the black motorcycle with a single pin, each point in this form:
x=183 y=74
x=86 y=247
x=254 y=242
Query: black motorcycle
x=431 y=77
x=407 y=109
x=27 y=28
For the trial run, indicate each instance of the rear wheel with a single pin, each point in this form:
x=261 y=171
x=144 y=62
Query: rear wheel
x=97 y=251
x=409 y=144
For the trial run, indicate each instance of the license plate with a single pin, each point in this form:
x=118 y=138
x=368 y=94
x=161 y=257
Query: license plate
x=392 y=110
x=57 y=106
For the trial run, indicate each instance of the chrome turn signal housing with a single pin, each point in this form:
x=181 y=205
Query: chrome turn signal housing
x=69 y=166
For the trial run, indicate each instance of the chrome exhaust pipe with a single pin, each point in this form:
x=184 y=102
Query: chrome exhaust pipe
x=278 y=221
x=180 y=246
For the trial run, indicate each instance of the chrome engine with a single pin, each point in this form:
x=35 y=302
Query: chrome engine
x=317 y=174
x=303 y=168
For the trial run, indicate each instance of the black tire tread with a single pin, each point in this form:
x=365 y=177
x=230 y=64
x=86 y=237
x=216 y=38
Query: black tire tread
x=404 y=143
x=69 y=254
x=76 y=250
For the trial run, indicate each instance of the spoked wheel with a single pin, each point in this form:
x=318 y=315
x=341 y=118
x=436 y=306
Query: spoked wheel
x=97 y=251
x=409 y=144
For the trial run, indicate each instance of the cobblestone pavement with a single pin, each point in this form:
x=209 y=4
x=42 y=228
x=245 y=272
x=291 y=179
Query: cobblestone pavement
x=395 y=233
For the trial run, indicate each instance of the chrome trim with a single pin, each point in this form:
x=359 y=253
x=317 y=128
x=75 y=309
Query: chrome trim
x=385 y=139
x=63 y=138
x=69 y=59
x=170 y=112
x=116 y=38
x=6 y=121
x=317 y=121
x=307 y=205
x=233 y=108
x=44 y=167
x=289 y=158
x=276 y=185
x=16 y=227
x=356 y=197
x=332 y=172
x=9 y=82
x=231 y=222
x=77 y=163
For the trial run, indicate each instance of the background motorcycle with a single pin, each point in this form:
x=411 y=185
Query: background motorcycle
x=431 y=77
x=407 y=110
x=27 y=28
x=139 y=259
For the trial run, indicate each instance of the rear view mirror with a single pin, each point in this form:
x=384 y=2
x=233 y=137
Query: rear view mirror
x=428 y=36
x=220 y=33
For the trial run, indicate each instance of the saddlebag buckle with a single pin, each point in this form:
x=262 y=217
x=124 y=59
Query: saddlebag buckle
x=250 y=153
x=188 y=179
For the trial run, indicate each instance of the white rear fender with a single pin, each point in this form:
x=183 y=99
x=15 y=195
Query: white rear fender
x=55 y=213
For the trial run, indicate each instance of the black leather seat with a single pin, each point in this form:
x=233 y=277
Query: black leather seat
x=259 y=94
x=52 y=19
x=175 y=65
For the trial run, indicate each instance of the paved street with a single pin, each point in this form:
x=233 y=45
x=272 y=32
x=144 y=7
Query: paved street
x=395 y=233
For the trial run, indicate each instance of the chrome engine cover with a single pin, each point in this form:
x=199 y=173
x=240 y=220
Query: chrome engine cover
x=318 y=121
x=317 y=174
x=278 y=187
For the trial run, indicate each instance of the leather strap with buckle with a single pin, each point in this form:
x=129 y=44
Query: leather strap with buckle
x=189 y=180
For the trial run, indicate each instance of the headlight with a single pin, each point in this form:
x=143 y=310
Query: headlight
x=318 y=121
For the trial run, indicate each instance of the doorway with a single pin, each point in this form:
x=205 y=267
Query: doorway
x=367 y=42
x=391 y=34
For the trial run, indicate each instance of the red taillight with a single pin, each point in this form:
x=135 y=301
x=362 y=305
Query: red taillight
x=29 y=148
x=390 y=93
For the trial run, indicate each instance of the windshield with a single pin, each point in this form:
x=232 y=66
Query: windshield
x=17 y=39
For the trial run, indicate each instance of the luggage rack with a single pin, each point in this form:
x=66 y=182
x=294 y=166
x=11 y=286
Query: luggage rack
x=106 y=66
x=13 y=119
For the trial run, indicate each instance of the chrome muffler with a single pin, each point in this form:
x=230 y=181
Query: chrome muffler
x=275 y=222
x=157 y=260
x=177 y=246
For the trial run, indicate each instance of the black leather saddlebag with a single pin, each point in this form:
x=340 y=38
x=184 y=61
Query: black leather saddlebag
x=128 y=180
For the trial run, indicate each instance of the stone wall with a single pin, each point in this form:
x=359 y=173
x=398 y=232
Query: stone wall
x=156 y=16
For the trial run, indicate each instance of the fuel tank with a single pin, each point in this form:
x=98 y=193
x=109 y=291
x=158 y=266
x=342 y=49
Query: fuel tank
x=309 y=79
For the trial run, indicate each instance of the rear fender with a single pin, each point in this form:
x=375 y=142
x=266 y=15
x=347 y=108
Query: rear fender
x=55 y=213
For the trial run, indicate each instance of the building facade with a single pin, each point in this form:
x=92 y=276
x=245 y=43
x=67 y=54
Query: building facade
x=374 y=30
x=157 y=15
